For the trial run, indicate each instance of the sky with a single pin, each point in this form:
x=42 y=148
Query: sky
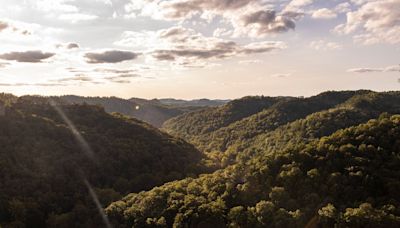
x=198 y=48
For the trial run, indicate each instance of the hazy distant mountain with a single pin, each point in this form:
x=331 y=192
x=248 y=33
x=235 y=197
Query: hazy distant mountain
x=155 y=112
x=44 y=162
x=192 y=103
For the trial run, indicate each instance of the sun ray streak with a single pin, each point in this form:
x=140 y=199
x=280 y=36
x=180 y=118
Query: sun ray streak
x=90 y=154
x=96 y=200
x=82 y=142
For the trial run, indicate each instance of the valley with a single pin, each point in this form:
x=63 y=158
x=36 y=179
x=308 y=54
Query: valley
x=327 y=160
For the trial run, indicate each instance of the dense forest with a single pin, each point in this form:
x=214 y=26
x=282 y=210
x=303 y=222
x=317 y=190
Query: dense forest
x=50 y=150
x=285 y=122
x=331 y=160
x=348 y=179
x=324 y=161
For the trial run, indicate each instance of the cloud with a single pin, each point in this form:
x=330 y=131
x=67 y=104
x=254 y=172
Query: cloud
x=28 y=56
x=343 y=7
x=121 y=78
x=251 y=61
x=183 y=45
x=373 y=22
x=13 y=27
x=114 y=71
x=3 y=25
x=219 y=50
x=139 y=40
x=75 y=70
x=394 y=68
x=100 y=75
x=55 y=6
x=323 y=45
x=68 y=46
x=248 y=17
x=76 y=78
x=221 y=32
x=121 y=81
x=267 y=21
x=180 y=9
x=2 y=65
x=187 y=45
x=295 y=5
x=281 y=75
x=72 y=45
x=364 y=70
x=31 y=84
x=77 y=17
x=114 y=56
x=324 y=13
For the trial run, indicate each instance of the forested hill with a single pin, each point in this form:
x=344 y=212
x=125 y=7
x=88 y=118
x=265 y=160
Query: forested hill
x=289 y=120
x=324 y=161
x=330 y=160
x=48 y=151
x=349 y=179
x=208 y=120
x=250 y=114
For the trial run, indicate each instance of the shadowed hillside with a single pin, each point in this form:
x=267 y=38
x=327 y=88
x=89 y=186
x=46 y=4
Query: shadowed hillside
x=49 y=151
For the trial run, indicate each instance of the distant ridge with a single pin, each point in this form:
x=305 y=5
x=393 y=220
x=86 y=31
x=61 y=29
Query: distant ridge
x=154 y=112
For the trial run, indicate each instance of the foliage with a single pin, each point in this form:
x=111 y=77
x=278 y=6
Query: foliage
x=350 y=179
x=193 y=124
x=285 y=123
x=44 y=166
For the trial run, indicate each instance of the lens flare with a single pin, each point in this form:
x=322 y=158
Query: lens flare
x=82 y=142
x=89 y=153
x=96 y=200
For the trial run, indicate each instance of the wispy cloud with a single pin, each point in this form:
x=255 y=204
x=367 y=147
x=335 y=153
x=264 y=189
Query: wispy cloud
x=31 y=84
x=251 y=61
x=114 y=71
x=76 y=78
x=323 y=45
x=394 y=68
x=182 y=45
x=281 y=75
x=99 y=75
x=2 y=65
